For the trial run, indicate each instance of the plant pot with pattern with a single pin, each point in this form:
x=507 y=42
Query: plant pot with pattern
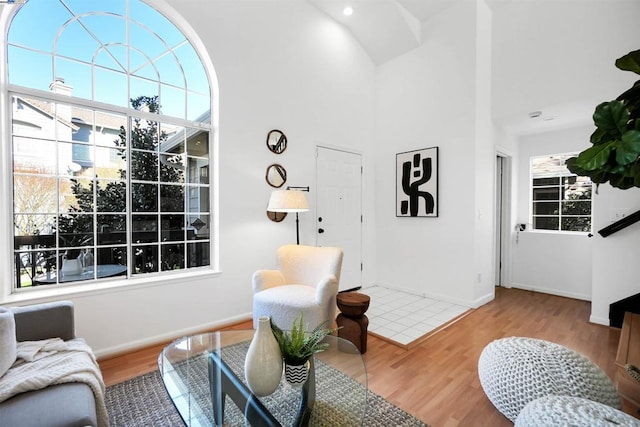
x=298 y=346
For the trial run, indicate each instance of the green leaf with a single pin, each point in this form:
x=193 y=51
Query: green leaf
x=574 y=167
x=611 y=116
x=621 y=181
x=600 y=135
x=628 y=150
x=595 y=157
x=629 y=62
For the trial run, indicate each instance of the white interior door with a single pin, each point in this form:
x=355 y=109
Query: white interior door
x=339 y=209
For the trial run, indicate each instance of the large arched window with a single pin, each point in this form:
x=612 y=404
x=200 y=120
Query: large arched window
x=111 y=135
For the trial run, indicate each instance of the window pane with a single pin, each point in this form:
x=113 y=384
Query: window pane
x=144 y=197
x=545 y=223
x=200 y=226
x=33 y=117
x=198 y=199
x=34 y=225
x=551 y=193
x=198 y=107
x=145 y=259
x=172 y=198
x=577 y=192
x=112 y=256
x=172 y=257
x=144 y=135
x=35 y=267
x=197 y=143
x=75 y=230
x=34 y=194
x=33 y=156
x=172 y=168
x=112 y=229
x=28 y=68
x=576 y=208
x=76 y=195
x=173 y=101
x=576 y=223
x=145 y=228
x=111 y=196
x=111 y=87
x=546 y=208
x=110 y=163
x=172 y=228
x=110 y=130
x=198 y=254
x=538 y=182
x=144 y=165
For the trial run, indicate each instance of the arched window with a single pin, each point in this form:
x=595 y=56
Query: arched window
x=111 y=135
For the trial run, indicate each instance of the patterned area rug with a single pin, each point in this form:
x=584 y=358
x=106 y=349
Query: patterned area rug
x=143 y=401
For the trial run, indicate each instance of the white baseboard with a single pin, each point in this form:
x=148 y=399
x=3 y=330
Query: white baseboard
x=550 y=291
x=599 y=320
x=169 y=336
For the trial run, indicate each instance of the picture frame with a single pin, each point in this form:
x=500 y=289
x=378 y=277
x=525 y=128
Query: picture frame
x=417 y=183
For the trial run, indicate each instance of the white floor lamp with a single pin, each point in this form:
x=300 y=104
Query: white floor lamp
x=292 y=199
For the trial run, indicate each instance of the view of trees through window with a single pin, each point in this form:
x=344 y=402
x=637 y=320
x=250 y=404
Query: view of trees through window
x=560 y=200
x=103 y=191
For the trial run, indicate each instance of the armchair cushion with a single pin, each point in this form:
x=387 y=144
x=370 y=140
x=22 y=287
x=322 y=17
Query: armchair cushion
x=7 y=340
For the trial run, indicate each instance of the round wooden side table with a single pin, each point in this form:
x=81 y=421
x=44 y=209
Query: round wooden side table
x=352 y=321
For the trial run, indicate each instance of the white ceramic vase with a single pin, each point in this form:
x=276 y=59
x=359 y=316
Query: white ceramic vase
x=263 y=363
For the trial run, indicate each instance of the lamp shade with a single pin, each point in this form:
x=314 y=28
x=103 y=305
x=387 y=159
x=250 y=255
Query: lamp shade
x=287 y=201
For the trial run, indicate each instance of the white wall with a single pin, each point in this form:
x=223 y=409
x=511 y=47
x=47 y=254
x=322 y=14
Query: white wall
x=557 y=263
x=279 y=65
x=616 y=270
x=428 y=97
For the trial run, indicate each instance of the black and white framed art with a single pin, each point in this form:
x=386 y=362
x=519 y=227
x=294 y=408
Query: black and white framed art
x=417 y=183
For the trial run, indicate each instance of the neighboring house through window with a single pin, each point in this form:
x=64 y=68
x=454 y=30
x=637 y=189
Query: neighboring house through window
x=561 y=201
x=111 y=133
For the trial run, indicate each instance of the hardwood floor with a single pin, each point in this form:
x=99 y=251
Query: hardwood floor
x=437 y=380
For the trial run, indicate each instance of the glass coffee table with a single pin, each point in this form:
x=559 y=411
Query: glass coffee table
x=197 y=370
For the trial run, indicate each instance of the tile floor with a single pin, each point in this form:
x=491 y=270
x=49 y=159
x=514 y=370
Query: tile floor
x=404 y=317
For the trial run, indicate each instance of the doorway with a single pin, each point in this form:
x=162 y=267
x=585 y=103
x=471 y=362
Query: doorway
x=502 y=255
x=339 y=209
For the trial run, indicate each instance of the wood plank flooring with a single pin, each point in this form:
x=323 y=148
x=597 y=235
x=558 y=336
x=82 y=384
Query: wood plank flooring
x=437 y=380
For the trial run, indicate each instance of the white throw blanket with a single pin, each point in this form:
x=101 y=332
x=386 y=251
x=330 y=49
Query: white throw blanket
x=54 y=361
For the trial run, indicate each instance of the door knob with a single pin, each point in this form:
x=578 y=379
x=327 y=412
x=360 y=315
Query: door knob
x=320 y=230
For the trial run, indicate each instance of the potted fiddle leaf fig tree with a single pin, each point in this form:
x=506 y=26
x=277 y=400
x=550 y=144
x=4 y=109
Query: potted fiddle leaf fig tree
x=298 y=346
x=615 y=154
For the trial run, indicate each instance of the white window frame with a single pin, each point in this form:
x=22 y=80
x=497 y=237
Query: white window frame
x=560 y=174
x=7 y=292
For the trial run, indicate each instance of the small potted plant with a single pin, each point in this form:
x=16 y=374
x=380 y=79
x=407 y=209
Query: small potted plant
x=298 y=346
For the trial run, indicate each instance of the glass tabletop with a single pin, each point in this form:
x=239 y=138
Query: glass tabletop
x=340 y=381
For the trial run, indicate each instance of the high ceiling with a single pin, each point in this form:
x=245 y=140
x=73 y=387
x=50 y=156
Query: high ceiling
x=385 y=28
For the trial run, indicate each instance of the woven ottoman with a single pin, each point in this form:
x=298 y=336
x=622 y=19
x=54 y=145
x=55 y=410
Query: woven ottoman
x=558 y=411
x=515 y=371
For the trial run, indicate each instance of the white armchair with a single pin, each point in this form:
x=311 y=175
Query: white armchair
x=306 y=281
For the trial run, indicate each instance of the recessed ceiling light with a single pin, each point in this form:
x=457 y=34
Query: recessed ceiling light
x=347 y=11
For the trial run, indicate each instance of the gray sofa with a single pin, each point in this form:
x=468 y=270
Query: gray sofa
x=63 y=405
